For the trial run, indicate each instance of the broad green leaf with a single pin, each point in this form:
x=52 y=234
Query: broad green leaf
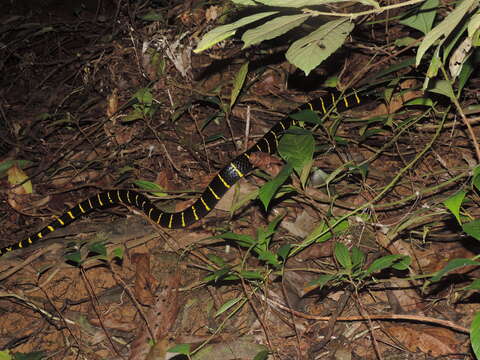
x=476 y=177
x=241 y=239
x=308 y=116
x=358 y=257
x=465 y=73
x=422 y=101
x=402 y=264
x=117 y=253
x=225 y=31
x=384 y=262
x=227 y=305
x=262 y=355
x=423 y=17
x=273 y=28
x=342 y=255
x=297 y=149
x=475 y=335
x=98 y=248
x=308 y=52
x=445 y=28
x=183 y=349
x=152 y=187
x=144 y=96
x=454 y=202
x=284 y=251
x=472 y=228
x=453 y=265
x=238 y=83
x=75 y=257
x=443 y=87
x=268 y=190
x=475 y=285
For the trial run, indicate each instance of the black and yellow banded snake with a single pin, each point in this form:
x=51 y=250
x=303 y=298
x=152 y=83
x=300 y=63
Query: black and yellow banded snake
x=221 y=183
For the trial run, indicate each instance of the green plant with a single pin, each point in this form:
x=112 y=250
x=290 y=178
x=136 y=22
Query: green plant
x=352 y=269
x=143 y=108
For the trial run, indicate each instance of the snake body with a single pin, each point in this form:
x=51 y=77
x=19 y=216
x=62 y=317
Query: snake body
x=221 y=183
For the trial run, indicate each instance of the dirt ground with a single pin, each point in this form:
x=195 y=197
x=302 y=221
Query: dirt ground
x=114 y=285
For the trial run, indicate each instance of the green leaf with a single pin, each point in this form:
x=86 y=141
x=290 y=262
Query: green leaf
x=384 y=263
x=472 y=228
x=133 y=115
x=445 y=28
x=34 y=355
x=268 y=256
x=324 y=232
x=321 y=281
x=358 y=257
x=308 y=116
x=251 y=275
x=117 y=253
x=268 y=190
x=238 y=83
x=475 y=335
x=454 y=202
x=217 y=260
x=225 y=31
x=98 y=248
x=475 y=285
x=421 y=101
x=297 y=149
x=443 y=87
x=183 y=349
x=423 y=17
x=75 y=257
x=227 y=305
x=273 y=28
x=152 y=187
x=309 y=52
x=144 y=96
x=476 y=177
x=453 y=265
x=342 y=255
x=262 y=355
x=241 y=239
x=402 y=264
x=465 y=73
x=284 y=251
x=5 y=355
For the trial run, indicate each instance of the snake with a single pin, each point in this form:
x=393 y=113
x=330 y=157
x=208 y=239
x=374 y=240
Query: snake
x=221 y=183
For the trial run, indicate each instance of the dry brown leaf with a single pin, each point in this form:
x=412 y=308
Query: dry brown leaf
x=145 y=283
x=433 y=341
x=112 y=102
